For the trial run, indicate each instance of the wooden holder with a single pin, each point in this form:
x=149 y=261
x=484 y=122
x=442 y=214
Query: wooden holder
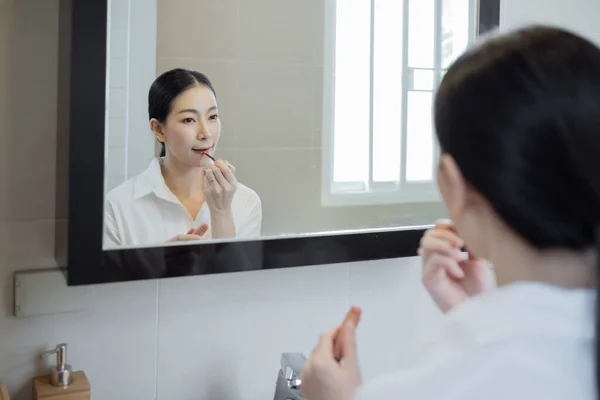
x=79 y=389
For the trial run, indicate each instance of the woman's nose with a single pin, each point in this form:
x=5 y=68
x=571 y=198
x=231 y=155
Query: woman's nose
x=204 y=131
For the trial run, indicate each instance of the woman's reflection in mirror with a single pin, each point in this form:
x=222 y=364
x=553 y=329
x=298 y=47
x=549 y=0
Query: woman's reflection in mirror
x=188 y=193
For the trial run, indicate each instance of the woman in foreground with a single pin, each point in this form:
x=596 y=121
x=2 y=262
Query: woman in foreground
x=518 y=122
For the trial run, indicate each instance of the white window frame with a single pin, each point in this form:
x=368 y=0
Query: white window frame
x=338 y=194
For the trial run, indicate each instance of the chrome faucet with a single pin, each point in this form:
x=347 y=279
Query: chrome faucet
x=288 y=379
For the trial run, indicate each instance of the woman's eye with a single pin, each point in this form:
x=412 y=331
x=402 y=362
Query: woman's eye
x=213 y=117
x=188 y=120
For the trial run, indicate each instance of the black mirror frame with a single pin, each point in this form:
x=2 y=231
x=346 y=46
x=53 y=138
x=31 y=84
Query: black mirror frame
x=88 y=263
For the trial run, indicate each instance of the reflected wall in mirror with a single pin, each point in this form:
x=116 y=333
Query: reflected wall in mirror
x=321 y=109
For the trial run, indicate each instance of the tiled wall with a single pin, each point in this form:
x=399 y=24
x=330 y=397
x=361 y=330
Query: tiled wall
x=265 y=58
x=212 y=337
x=131 y=66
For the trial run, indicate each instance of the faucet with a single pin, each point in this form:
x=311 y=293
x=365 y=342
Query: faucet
x=288 y=379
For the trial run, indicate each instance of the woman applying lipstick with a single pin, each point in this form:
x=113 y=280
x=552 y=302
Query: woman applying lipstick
x=187 y=193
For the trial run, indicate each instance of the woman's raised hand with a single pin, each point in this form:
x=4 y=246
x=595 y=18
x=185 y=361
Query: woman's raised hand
x=450 y=275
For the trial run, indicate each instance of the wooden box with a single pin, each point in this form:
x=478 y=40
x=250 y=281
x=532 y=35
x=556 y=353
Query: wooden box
x=79 y=389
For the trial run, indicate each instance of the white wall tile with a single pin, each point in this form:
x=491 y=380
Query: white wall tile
x=119 y=43
x=276 y=112
x=118 y=103
x=287 y=31
x=579 y=15
x=119 y=14
x=117 y=132
x=142 y=72
x=214 y=36
x=116 y=167
x=118 y=73
x=226 y=333
x=397 y=311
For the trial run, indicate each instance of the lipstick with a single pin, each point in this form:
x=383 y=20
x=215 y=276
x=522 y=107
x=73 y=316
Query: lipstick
x=209 y=156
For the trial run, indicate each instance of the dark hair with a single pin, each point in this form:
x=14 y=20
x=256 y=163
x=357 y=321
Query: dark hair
x=167 y=87
x=520 y=115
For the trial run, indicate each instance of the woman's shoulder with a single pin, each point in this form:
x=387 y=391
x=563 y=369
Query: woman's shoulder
x=123 y=193
x=136 y=186
x=519 y=368
x=246 y=195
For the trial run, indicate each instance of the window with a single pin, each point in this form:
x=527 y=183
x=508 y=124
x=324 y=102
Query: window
x=384 y=60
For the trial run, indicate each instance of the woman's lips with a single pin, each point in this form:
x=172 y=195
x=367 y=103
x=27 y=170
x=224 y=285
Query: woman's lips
x=204 y=152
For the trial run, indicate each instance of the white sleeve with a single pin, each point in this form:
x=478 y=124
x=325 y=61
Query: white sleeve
x=251 y=226
x=493 y=372
x=112 y=238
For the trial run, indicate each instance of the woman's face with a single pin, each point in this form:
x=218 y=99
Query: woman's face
x=192 y=128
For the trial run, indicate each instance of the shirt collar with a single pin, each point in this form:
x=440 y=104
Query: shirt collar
x=152 y=181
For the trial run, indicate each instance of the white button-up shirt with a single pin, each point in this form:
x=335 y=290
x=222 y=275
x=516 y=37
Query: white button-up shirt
x=143 y=211
x=525 y=341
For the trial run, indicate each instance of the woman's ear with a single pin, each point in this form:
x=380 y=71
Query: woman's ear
x=157 y=128
x=452 y=185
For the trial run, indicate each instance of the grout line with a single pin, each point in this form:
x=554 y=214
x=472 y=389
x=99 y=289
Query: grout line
x=348 y=302
x=266 y=62
x=156 y=348
x=21 y=220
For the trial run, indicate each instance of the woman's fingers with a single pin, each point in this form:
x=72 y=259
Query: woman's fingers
x=220 y=181
x=445 y=224
x=438 y=261
x=191 y=234
x=211 y=182
x=227 y=171
x=210 y=177
x=231 y=167
x=325 y=345
x=353 y=318
x=433 y=244
x=218 y=174
x=185 y=238
x=201 y=230
x=443 y=290
x=347 y=342
x=444 y=234
x=436 y=245
x=190 y=237
x=440 y=248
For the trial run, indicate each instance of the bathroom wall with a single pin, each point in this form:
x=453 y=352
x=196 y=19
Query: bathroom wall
x=131 y=68
x=212 y=337
x=265 y=58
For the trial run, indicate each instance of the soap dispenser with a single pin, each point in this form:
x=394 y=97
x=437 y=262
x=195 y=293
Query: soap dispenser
x=61 y=382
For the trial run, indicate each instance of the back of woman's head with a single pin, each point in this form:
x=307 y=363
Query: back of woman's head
x=167 y=87
x=520 y=115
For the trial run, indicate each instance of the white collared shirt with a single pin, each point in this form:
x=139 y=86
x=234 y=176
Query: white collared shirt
x=143 y=211
x=524 y=341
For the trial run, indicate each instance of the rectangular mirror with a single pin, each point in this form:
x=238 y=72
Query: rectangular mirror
x=215 y=136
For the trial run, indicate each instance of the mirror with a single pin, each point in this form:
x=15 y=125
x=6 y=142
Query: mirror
x=321 y=109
